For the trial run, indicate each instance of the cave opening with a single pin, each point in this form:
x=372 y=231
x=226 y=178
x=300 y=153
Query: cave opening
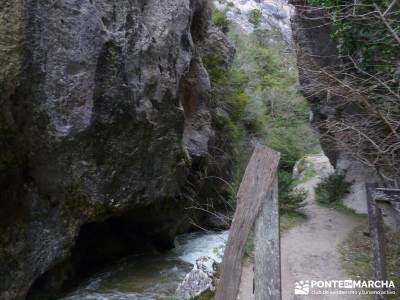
x=100 y=244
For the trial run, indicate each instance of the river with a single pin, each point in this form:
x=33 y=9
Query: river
x=151 y=276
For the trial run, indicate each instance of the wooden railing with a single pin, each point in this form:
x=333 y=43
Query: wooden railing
x=257 y=204
x=376 y=195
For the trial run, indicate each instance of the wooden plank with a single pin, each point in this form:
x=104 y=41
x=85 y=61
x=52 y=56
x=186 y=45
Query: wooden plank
x=267 y=249
x=377 y=236
x=384 y=194
x=256 y=184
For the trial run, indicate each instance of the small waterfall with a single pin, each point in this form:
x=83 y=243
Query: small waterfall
x=191 y=246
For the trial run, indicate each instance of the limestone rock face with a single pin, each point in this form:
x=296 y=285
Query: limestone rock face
x=217 y=44
x=317 y=57
x=315 y=52
x=104 y=106
x=200 y=280
x=274 y=14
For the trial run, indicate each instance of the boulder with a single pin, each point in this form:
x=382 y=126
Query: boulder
x=200 y=280
x=105 y=124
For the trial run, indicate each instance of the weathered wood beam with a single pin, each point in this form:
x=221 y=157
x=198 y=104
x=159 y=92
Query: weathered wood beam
x=267 y=256
x=256 y=185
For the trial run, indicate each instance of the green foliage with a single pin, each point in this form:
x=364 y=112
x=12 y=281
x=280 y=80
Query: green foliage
x=254 y=16
x=362 y=35
x=229 y=101
x=291 y=199
x=257 y=99
x=236 y=179
x=219 y=19
x=227 y=96
x=332 y=189
x=285 y=140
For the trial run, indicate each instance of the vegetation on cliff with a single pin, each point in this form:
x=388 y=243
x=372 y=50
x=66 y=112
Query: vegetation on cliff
x=367 y=31
x=367 y=79
x=258 y=101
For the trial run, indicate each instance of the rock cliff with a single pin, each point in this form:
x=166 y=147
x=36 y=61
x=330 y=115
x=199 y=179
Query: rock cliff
x=105 y=119
x=322 y=82
x=274 y=15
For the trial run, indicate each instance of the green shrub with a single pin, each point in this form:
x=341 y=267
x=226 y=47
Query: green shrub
x=220 y=20
x=332 y=189
x=254 y=17
x=285 y=140
x=291 y=199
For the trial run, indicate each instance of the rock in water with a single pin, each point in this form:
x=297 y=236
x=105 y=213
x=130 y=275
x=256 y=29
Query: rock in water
x=200 y=280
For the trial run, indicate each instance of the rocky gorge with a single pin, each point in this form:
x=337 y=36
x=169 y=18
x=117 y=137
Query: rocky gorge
x=105 y=125
x=125 y=123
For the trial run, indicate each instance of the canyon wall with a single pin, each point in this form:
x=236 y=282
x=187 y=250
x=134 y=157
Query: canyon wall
x=323 y=82
x=105 y=123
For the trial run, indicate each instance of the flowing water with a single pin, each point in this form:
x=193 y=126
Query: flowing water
x=151 y=276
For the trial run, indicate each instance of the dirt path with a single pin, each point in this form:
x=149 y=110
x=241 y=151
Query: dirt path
x=309 y=250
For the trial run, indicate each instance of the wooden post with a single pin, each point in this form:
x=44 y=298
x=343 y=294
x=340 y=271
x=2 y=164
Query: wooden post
x=256 y=185
x=267 y=273
x=377 y=236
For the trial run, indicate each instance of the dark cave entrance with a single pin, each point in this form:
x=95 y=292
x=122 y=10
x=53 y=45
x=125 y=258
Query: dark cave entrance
x=101 y=244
